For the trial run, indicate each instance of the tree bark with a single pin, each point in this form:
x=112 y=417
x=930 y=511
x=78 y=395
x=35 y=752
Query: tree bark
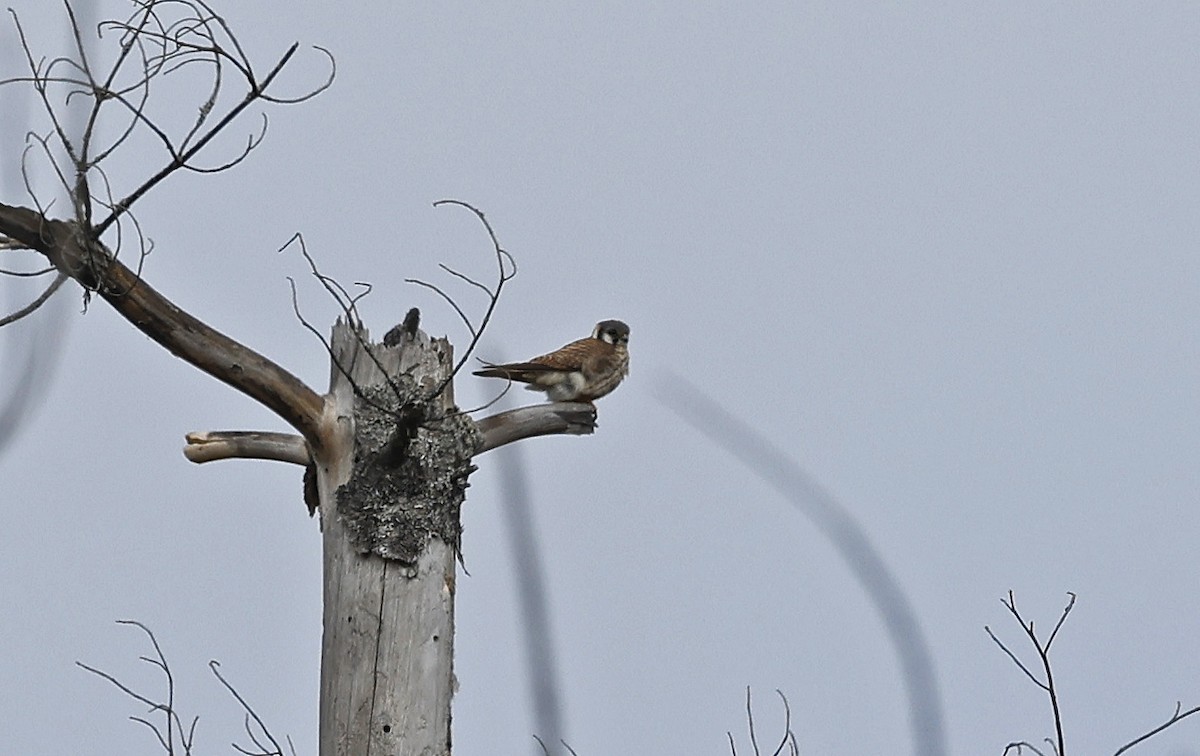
x=390 y=485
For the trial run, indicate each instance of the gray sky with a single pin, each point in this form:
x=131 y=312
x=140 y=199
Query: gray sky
x=945 y=256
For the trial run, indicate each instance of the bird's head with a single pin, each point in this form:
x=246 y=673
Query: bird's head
x=612 y=331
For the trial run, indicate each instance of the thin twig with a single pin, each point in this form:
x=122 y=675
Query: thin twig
x=1015 y=659
x=1176 y=717
x=750 y=720
x=1019 y=745
x=1043 y=651
x=32 y=306
x=506 y=269
x=787 y=724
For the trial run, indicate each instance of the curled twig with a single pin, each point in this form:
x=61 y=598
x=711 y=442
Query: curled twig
x=349 y=307
x=158 y=38
x=506 y=269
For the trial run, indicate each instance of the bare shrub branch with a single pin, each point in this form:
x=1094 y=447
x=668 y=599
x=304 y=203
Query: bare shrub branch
x=546 y=750
x=787 y=741
x=1175 y=718
x=162 y=717
x=1042 y=648
x=1043 y=652
x=250 y=716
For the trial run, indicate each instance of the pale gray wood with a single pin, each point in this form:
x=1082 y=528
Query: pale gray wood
x=572 y=418
x=210 y=446
x=387 y=652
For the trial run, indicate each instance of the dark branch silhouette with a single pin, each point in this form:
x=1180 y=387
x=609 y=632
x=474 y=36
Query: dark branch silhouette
x=162 y=718
x=546 y=751
x=787 y=741
x=1175 y=718
x=1043 y=652
x=158 y=38
x=1042 y=649
x=506 y=269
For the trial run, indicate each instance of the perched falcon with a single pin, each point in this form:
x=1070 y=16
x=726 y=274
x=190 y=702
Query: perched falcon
x=582 y=371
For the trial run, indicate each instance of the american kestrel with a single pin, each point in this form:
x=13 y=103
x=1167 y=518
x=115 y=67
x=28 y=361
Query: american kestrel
x=582 y=371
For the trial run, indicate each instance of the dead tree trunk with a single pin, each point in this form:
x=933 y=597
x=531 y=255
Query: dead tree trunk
x=389 y=498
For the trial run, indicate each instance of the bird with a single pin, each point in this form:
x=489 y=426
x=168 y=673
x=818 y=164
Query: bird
x=581 y=371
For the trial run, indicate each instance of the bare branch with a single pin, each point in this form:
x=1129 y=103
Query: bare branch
x=1015 y=659
x=356 y=328
x=467 y=279
x=788 y=735
x=750 y=722
x=157 y=38
x=1176 y=717
x=506 y=268
x=172 y=736
x=1043 y=651
x=312 y=92
x=1061 y=619
x=546 y=750
x=215 y=445
x=570 y=418
x=32 y=306
x=182 y=334
x=186 y=155
x=450 y=300
x=251 y=715
x=787 y=741
x=27 y=274
x=1020 y=745
x=172 y=723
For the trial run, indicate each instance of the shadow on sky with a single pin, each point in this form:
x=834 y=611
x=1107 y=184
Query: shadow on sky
x=772 y=465
x=31 y=347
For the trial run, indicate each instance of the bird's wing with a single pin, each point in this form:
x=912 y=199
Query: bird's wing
x=513 y=369
x=569 y=358
x=573 y=356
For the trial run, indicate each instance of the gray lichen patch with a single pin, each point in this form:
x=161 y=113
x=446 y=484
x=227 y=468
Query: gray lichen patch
x=410 y=476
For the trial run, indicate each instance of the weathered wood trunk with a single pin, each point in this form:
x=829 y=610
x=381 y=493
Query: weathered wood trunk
x=390 y=489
